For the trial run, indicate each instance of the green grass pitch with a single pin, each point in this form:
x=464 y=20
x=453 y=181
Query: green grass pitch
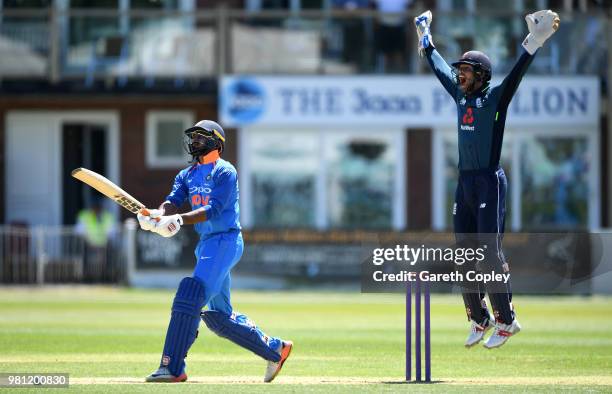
x=109 y=339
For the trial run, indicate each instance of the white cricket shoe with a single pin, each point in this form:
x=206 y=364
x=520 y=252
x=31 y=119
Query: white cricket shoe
x=502 y=333
x=477 y=332
x=274 y=368
x=163 y=375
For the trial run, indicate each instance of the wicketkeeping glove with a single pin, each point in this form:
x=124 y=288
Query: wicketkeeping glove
x=541 y=25
x=422 y=23
x=147 y=222
x=168 y=226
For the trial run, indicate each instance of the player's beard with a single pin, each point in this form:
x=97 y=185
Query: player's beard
x=466 y=85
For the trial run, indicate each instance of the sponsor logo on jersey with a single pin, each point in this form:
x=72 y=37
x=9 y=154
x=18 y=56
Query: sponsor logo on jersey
x=468 y=119
x=200 y=189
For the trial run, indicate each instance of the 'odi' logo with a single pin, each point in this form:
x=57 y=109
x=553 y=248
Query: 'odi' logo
x=243 y=100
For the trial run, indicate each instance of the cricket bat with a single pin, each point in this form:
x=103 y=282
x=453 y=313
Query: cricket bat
x=110 y=190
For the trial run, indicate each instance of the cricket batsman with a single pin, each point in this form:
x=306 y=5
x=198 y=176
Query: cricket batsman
x=211 y=185
x=479 y=208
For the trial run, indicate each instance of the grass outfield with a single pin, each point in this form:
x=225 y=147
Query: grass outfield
x=108 y=339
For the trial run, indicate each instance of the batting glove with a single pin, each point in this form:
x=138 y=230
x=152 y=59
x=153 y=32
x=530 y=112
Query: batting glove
x=541 y=25
x=422 y=23
x=147 y=218
x=168 y=226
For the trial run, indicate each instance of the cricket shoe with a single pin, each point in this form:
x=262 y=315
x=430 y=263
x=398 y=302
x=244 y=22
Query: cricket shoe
x=274 y=368
x=501 y=334
x=163 y=375
x=477 y=332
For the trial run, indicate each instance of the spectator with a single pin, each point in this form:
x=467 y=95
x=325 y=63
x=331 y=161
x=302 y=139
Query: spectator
x=391 y=35
x=96 y=226
x=354 y=37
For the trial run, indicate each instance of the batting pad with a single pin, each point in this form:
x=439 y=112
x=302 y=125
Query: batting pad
x=183 y=327
x=243 y=332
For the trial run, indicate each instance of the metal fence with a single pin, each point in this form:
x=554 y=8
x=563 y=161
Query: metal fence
x=149 y=45
x=58 y=254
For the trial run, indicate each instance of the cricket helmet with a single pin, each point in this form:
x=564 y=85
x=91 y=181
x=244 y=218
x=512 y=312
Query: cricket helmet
x=203 y=138
x=479 y=61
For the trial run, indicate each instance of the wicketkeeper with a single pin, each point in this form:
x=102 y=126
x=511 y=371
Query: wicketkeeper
x=480 y=197
x=211 y=186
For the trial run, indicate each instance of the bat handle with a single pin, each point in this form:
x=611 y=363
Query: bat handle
x=145 y=212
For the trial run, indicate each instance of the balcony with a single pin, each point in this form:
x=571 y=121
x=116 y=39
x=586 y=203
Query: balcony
x=180 y=50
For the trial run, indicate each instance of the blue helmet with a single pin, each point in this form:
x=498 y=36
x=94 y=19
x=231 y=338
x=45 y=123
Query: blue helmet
x=213 y=138
x=479 y=61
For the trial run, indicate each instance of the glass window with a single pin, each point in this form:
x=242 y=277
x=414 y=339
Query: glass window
x=312 y=4
x=163 y=4
x=492 y=5
x=459 y=4
x=27 y=3
x=164 y=138
x=283 y=167
x=550 y=177
x=554 y=174
x=361 y=176
x=322 y=179
x=94 y=4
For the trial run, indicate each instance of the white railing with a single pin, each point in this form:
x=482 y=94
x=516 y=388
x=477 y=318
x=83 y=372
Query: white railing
x=58 y=254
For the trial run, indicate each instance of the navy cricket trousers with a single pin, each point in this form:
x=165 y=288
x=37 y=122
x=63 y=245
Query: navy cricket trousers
x=479 y=214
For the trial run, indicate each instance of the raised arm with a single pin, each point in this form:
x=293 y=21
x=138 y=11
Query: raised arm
x=443 y=71
x=541 y=25
x=509 y=85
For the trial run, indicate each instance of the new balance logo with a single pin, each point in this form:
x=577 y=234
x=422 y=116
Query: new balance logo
x=483 y=205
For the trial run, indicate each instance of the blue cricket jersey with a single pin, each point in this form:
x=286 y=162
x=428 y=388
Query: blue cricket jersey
x=213 y=186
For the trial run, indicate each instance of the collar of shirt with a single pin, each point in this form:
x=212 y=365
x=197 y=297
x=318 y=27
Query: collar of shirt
x=210 y=158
